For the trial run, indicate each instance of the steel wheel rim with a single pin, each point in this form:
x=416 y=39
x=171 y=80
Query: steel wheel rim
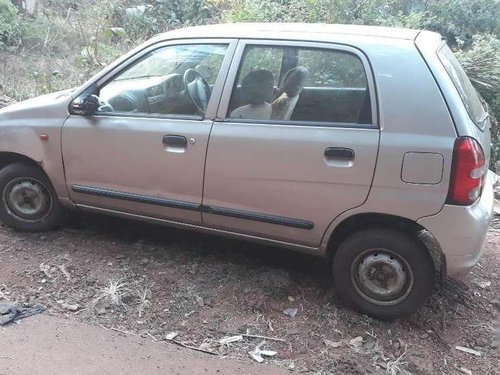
x=27 y=199
x=382 y=277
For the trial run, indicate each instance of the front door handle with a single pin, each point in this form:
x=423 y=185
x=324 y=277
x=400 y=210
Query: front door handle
x=339 y=153
x=175 y=140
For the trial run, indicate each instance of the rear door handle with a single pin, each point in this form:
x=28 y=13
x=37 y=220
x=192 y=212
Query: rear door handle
x=341 y=157
x=175 y=140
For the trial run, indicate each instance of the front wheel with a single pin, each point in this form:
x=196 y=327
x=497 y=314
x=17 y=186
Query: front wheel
x=384 y=273
x=28 y=201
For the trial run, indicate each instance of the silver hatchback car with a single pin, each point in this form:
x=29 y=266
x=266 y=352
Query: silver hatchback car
x=364 y=145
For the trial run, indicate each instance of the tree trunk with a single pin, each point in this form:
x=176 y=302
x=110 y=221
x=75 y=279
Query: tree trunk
x=31 y=6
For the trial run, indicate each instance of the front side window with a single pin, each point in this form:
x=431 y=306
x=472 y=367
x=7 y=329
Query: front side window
x=173 y=80
x=300 y=84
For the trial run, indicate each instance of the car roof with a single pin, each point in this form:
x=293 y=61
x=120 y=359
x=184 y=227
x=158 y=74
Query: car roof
x=283 y=30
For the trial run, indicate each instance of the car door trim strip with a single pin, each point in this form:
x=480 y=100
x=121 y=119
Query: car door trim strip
x=136 y=197
x=239 y=214
x=255 y=216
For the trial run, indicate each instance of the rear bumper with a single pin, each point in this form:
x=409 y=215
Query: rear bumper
x=461 y=231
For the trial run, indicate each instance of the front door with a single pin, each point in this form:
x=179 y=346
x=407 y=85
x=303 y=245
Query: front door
x=144 y=150
x=296 y=144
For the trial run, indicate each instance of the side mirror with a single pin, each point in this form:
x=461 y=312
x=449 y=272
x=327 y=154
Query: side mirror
x=85 y=105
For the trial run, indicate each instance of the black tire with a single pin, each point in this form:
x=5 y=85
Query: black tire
x=373 y=262
x=27 y=182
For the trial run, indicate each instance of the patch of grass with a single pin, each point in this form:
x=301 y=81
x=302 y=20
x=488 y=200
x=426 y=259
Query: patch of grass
x=113 y=293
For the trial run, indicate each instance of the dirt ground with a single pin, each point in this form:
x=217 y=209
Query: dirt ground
x=150 y=281
x=53 y=345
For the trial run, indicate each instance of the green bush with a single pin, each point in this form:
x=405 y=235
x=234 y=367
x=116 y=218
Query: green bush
x=9 y=23
x=48 y=33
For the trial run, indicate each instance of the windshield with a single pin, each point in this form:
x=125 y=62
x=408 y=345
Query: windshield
x=466 y=90
x=177 y=59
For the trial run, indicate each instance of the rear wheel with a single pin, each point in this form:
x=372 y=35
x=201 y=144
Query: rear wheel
x=384 y=273
x=28 y=201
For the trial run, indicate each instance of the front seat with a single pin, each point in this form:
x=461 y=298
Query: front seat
x=293 y=84
x=257 y=89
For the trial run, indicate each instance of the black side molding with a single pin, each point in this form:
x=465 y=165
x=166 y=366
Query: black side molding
x=136 y=197
x=255 y=216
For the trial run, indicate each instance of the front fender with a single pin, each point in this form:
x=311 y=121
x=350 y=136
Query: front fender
x=32 y=129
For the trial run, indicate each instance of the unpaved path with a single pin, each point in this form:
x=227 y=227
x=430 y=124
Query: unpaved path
x=150 y=281
x=44 y=344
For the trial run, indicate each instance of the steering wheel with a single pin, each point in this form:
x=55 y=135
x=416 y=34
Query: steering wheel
x=104 y=105
x=197 y=88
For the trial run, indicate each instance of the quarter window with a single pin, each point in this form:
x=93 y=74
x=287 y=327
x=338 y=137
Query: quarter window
x=302 y=85
x=173 y=80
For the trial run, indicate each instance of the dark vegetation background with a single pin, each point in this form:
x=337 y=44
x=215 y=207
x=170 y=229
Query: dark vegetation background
x=47 y=45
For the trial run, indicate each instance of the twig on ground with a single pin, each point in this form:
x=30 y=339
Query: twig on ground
x=117 y=330
x=150 y=335
x=192 y=347
x=252 y=336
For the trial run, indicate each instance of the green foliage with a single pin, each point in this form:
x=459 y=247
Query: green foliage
x=481 y=61
x=48 y=33
x=155 y=16
x=9 y=23
x=459 y=20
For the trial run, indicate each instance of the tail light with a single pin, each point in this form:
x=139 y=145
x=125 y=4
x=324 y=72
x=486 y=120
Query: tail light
x=468 y=172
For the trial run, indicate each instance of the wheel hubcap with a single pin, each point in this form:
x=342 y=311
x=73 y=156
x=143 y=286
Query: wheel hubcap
x=382 y=277
x=27 y=199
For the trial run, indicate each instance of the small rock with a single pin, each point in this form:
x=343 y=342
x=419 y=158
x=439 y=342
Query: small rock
x=144 y=262
x=70 y=307
x=332 y=344
x=120 y=256
x=356 y=342
x=484 y=284
x=424 y=336
x=291 y=312
x=101 y=311
x=171 y=336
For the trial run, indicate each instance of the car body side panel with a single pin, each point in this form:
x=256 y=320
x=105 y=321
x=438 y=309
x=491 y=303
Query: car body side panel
x=280 y=170
x=413 y=118
x=125 y=155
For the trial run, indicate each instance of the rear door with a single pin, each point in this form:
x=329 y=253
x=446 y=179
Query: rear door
x=286 y=179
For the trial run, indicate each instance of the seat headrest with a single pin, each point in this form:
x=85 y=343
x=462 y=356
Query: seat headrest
x=294 y=81
x=258 y=86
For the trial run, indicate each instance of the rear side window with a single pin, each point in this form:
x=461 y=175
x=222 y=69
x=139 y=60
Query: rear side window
x=300 y=84
x=466 y=90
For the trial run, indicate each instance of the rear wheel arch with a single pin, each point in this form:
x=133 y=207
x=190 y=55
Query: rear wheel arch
x=363 y=221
